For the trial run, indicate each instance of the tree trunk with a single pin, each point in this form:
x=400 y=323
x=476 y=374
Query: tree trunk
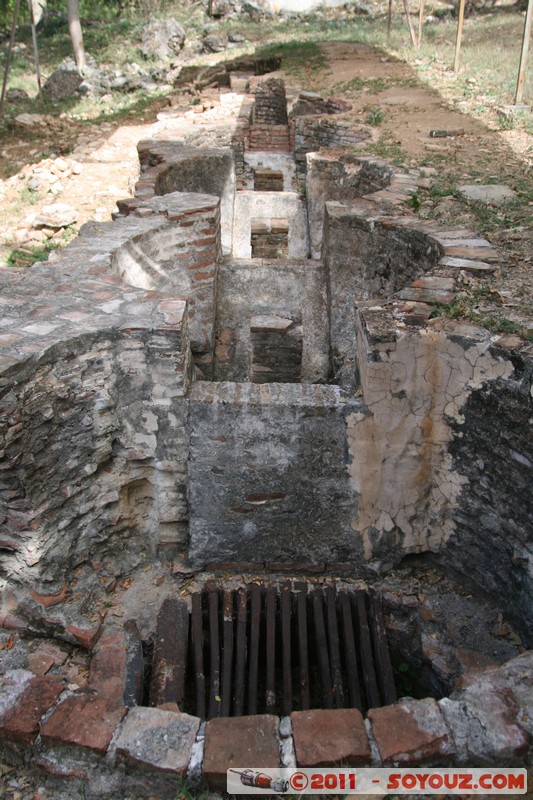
x=74 y=26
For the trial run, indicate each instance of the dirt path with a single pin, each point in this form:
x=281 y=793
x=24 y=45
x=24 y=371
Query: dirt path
x=371 y=80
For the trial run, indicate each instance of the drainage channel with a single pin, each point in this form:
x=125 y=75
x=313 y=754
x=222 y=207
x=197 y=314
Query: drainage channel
x=272 y=648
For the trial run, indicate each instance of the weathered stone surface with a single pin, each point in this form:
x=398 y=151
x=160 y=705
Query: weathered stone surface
x=268 y=205
x=367 y=262
x=191 y=169
x=213 y=43
x=490 y=714
x=162 y=38
x=84 y=720
x=234 y=741
x=330 y=737
x=345 y=179
x=403 y=378
x=412 y=732
x=157 y=740
x=109 y=346
x=295 y=291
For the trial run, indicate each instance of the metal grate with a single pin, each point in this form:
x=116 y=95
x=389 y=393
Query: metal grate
x=272 y=649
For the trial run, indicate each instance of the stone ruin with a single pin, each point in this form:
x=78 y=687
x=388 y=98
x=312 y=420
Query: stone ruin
x=244 y=374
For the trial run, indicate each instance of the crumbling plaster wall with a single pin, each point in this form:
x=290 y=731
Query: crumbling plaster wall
x=415 y=384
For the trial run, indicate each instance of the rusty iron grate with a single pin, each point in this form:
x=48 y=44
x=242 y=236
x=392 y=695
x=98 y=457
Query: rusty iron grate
x=272 y=648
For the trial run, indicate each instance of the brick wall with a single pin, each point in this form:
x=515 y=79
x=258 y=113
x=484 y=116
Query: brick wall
x=276 y=350
x=182 y=260
x=313 y=132
x=93 y=414
x=265 y=138
x=367 y=260
x=270 y=106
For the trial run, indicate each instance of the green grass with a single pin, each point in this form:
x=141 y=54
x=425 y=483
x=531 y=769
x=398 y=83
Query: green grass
x=386 y=147
x=374 y=116
x=302 y=60
x=465 y=307
x=25 y=256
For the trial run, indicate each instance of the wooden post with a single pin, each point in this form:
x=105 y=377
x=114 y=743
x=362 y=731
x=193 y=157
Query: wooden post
x=523 y=54
x=459 y=35
x=420 y=22
x=74 y=26
x=35 y=47
x=389 y=21
x=8 y=57
x=409 y=22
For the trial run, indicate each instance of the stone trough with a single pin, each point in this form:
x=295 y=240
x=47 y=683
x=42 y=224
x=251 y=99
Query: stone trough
x=176 y=411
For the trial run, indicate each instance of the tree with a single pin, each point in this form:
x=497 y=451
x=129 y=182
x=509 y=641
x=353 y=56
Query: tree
x=74 y=26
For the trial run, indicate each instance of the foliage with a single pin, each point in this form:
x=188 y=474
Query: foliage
x=375 y=116
x=467 y=307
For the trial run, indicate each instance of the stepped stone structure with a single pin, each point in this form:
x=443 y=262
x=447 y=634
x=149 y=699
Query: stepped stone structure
x=245 y=373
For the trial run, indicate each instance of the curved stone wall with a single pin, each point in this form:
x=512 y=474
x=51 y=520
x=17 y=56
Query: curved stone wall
x=93 y=379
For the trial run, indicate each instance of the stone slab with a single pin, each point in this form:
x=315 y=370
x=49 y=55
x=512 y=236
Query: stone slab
x=491 y=194
x=237 y=742
x=326 y=737
x=158 y=740
x=411 y=732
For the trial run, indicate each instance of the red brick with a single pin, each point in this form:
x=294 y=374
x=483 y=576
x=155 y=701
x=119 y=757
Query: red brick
x=326 y=737
x=107 y=671
x=411 y=732
x=20 y=723
x=84 y=720
x=237 y=742
x=201 y=264
x=204 y=276
x=87 y=637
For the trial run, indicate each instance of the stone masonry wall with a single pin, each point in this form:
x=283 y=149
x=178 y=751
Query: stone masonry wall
x=183 y=261
x=105 y=746
x=167 y=167
x=343 y=177
x=313 y=103
x=268 y=476
x=257 y=287
x=492 y=452
x=270 y=107
x=93 y=375
x=314 y=132
x=367 y=258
